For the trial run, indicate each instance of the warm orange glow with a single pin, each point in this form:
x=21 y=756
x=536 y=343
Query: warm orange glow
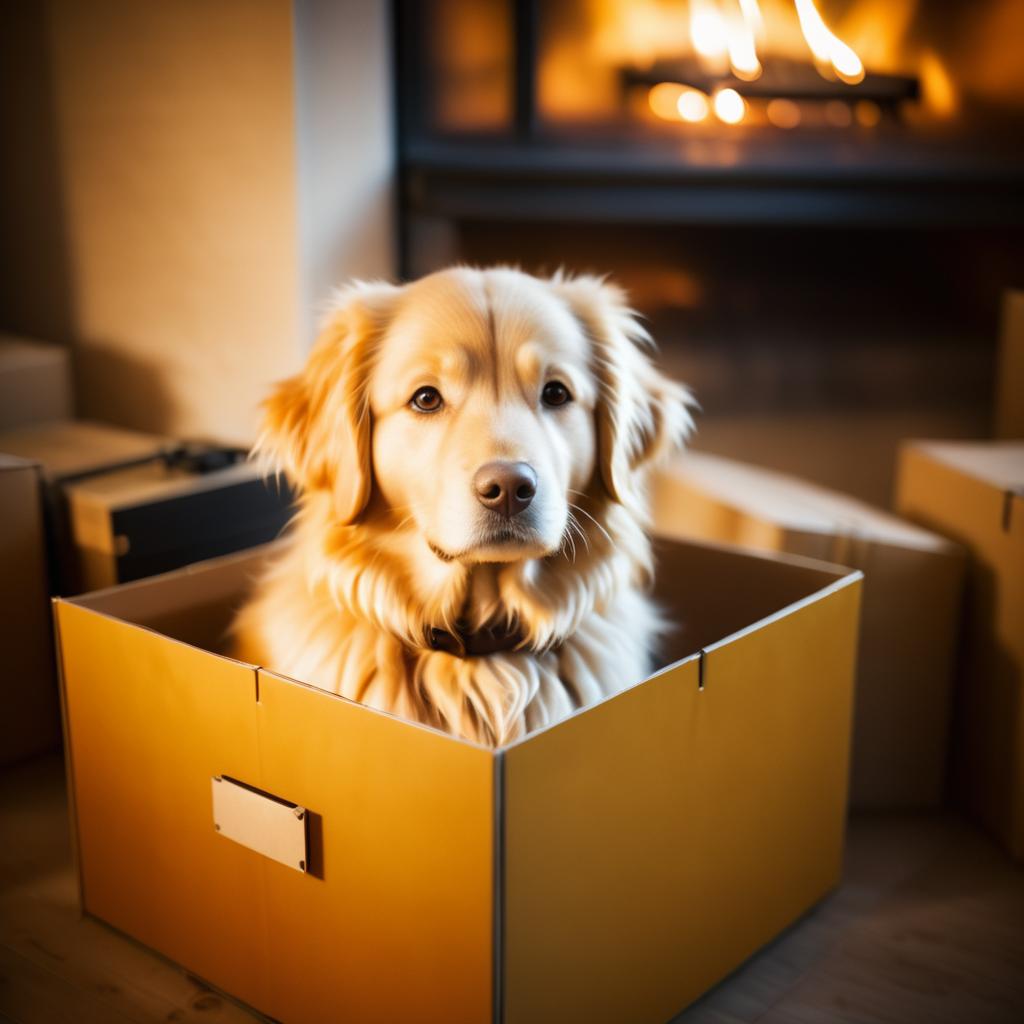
x=838 y=114
x=828 y=48
x=663 y=99
x=730 y=106
x=867 y=113
x=783 y=113
x=940 y=92
x=707 y=30
x=751 y=11
x=674 y=102
x=693 y=105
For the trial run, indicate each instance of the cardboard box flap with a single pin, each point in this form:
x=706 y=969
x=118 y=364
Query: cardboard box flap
x=792 y=503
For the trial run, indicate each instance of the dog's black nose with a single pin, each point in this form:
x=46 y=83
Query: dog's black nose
x=506 y=487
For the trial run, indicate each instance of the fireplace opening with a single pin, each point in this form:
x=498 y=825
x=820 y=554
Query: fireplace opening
x=818 y=205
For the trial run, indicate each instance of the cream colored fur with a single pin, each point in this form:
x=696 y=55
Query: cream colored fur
x=390 y=539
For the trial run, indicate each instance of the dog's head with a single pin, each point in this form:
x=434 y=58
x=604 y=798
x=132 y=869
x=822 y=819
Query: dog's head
x=476 y=408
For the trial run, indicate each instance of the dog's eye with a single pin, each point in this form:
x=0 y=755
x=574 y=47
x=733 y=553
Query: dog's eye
x=427 y=400
x=555 y=393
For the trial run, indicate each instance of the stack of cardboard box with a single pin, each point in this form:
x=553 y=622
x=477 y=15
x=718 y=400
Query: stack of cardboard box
x=910 y=616
x=973 y=492
x=86 y=505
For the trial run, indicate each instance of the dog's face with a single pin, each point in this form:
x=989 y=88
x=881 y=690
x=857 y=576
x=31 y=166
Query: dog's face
x=475 y=408
x=482 y=398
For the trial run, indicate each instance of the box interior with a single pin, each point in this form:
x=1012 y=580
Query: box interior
x=696 y=584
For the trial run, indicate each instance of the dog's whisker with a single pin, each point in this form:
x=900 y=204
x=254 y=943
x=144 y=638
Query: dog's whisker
x=568 y=541
x=606 y=534
x=575 y=525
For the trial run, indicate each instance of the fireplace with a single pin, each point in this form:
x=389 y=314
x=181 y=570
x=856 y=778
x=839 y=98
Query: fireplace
x=818 y=205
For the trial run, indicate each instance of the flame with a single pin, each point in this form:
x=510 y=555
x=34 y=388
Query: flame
x=730 y=106
x=742 y=48
x=827 y=47
x=751 y=11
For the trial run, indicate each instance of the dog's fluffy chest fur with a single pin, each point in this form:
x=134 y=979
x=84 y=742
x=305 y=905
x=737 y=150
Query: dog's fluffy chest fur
x=591 y=633
x=491 y=699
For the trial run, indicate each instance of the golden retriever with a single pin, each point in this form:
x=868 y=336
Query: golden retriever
x=470 y=549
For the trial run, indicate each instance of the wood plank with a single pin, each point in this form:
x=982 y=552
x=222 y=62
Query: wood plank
x=56 y=964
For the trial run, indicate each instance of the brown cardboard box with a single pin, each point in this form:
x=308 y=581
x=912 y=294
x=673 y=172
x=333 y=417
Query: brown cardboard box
x=67 y=450
x=974 y=493
x=29 y=721
x=912 y=590
x=1010 y=369
x=35 y=382
x=76 y=447
x=611 y=867
x=123 y=505
x=150 y=518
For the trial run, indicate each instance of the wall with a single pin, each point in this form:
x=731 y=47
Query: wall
x=346 y=145
x=218 y=166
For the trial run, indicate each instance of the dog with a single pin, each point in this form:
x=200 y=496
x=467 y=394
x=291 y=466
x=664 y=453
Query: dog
x=471 y=547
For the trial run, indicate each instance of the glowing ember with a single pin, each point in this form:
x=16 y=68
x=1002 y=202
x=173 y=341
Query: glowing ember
x=828 y=48
x=692 y=105
x=729 y=106
x=783 y=113
x=663 y=99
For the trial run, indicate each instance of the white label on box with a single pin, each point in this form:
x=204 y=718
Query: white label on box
x=262 y=822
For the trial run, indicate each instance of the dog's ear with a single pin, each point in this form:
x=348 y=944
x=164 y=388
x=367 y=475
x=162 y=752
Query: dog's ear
x=641 y=413
x=317 y=424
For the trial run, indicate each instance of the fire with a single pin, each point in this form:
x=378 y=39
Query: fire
x=742 y=47
x=828 y=48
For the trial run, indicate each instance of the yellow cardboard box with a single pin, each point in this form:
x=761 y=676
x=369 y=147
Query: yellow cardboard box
x=609 y=868
x=911 y=612
x=974 y=493
x=29 y=719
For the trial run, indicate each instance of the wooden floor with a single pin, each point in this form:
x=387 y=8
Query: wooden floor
x=927 y=928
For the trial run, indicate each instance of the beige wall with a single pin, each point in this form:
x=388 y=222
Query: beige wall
x=346 y=145
x=221 y=163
